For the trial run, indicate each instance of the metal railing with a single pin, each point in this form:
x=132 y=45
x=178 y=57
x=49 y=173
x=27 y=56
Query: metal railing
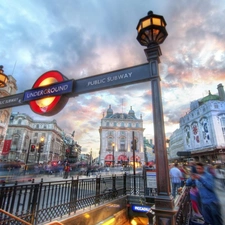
x=39 y=203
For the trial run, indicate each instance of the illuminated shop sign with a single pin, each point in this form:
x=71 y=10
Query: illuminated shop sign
x=140 y=208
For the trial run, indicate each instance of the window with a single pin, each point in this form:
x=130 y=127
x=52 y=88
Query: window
x=110 y=142
x=222 y=120
x=137 y=125
x=115 y=124
x=122 y=124
x=110 y=133
x=122 y=144
x=20 y=121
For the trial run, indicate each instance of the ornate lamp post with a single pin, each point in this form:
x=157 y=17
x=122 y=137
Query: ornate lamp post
x=152 y=32
x=3 y=78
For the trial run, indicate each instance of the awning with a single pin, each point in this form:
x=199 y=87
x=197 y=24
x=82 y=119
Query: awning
x=122 y=158
x=137 y=158
x=109 y=158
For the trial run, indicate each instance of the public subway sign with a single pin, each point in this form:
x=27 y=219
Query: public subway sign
x=51 y=90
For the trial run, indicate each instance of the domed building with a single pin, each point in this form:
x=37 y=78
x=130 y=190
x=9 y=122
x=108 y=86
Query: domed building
x=116 y=135
x=202 y=130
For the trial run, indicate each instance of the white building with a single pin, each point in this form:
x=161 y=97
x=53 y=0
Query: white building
x=202 y=130
x=116 y=133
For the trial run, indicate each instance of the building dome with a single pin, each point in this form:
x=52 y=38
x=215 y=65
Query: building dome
x=131 y=112
x=109 y=112
x=209 y=97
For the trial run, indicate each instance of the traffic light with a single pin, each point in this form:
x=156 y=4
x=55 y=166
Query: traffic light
x=32 y=148
x=67 y=152
x=133 y=145
x=41 y=147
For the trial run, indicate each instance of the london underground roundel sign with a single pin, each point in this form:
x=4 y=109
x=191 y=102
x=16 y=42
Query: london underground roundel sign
x=50 y=86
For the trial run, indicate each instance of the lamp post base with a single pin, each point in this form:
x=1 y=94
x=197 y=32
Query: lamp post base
x=164 y=210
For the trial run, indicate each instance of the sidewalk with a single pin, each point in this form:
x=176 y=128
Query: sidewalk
x=58 y=177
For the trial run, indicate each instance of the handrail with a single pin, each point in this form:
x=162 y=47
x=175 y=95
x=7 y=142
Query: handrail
x=15 y=217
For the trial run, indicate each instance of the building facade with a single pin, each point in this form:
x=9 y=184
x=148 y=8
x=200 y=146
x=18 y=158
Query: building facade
x=202 y=130
x=10 y=89
x=116 y=135
x=24 y=132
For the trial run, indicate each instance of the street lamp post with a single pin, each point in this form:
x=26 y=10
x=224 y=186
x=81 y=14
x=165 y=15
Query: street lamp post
x=152 y=32
x=113 y=148
x=3 y=78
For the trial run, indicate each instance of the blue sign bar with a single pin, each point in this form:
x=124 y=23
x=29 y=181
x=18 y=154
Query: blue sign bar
x=112 y=79
x=140 y=208
x=131 y=75
x=11 y=101
x=47 y=91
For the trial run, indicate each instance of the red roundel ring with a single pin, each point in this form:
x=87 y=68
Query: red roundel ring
x=50 y=105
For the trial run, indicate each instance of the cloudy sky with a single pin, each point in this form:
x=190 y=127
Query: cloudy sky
x=82 y=38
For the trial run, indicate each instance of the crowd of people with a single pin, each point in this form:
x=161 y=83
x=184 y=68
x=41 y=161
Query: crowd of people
x=203 y=181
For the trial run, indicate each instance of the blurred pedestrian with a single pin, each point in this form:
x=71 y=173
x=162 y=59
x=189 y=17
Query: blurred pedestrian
x=211 y=169
x=175 y=176
x=184 y=174
x=210 y=205
x=66 y=170
x=219 y=177
x=196 y=213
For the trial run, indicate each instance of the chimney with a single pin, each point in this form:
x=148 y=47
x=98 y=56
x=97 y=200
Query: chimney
x=221 y=92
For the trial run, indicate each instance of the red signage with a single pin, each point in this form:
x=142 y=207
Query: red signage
x=6 y=147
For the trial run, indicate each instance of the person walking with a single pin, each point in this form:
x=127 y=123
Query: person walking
x=175 y=176
x=210 y=205
x=66 y=170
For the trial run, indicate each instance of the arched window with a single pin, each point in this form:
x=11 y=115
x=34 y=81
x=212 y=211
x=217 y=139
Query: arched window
x=20 y=121
x=110 y=142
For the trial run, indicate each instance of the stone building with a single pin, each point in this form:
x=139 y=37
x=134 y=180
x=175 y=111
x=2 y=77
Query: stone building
x=24 y=132
x=10 y=89
x=202 y=130
x=116 y=133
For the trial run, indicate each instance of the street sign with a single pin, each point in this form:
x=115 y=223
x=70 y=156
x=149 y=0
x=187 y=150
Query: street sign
x=54 y=89
x=11 y=101
x=112 y=79
x=184 y=153
x=151 y=179
x=70 y=88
